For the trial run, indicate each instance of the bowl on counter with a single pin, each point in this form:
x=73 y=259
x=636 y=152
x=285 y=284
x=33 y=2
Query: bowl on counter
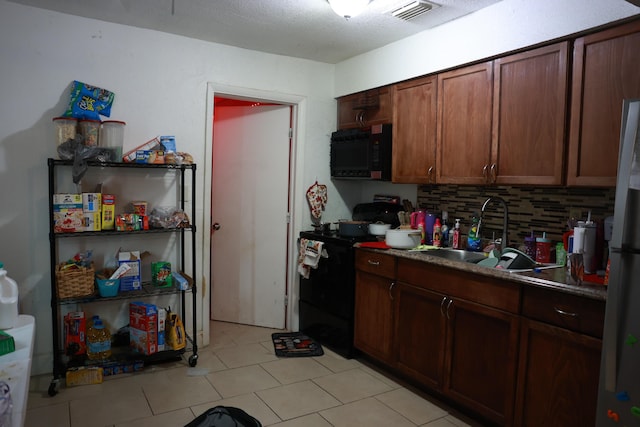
x=403 y=238
x=378 y=228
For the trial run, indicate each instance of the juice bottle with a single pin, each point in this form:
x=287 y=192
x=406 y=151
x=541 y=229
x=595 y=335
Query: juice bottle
x=98 y=341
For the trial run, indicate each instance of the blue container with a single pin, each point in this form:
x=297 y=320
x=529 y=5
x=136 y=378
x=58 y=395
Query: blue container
x=108 y=288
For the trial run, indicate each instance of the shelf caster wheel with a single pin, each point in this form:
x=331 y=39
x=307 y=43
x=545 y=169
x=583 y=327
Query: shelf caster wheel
x=53 y=388
x=193 y=360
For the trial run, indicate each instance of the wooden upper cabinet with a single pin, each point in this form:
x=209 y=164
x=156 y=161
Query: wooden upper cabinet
x=529 y=116
x=364 y=109
x=414 y=131
x=606 y=70
x=464 y=125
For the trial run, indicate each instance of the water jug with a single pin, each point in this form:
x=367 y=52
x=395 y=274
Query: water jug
x=8 y=300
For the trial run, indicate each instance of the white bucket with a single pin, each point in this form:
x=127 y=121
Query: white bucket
x=8 y=300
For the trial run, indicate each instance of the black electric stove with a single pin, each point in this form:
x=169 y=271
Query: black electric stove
x=327 y=296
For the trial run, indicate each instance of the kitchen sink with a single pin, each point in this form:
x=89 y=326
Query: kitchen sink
x=458 y=255
x=479 y=258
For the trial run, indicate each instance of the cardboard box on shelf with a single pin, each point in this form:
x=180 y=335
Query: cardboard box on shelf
x=108 y=211
x=91 y=202
x=131 y=280
x=75 y=333
x=162 y=320
x=91 y=221
x=67 y=213
x=143 y=327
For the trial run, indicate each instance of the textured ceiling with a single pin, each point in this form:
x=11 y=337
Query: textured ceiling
x=299 y=28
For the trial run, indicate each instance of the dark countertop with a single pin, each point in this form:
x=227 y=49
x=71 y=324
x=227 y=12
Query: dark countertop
x=552 y=278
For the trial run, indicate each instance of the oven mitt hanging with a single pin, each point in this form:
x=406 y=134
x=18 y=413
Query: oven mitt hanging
x=317 y=197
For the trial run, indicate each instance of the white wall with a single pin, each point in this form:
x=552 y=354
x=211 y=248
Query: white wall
x=501 y=27
x=160 y=81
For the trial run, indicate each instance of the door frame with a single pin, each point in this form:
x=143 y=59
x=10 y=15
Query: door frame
x=298 y=104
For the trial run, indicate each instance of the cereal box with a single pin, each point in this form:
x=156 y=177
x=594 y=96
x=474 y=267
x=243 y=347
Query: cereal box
x=74 y=333
x=91 y=221
x=143 y=327
x=162 y=320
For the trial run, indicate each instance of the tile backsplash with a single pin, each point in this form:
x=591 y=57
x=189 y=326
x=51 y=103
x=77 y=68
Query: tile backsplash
x=537 y=209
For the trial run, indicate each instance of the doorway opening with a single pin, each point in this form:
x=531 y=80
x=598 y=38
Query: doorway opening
x=252 y=152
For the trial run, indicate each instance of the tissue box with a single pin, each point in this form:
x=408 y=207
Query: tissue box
x=131 y=280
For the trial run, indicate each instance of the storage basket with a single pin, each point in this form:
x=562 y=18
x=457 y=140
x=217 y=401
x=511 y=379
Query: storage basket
x=108 y=287
x=74 y=282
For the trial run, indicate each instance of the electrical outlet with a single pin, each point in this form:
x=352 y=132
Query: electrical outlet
x=575 y=213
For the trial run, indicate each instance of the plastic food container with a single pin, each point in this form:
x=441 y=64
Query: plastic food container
x=108 y=287
x=112 y=138
x=89 y=129
x=65 y=129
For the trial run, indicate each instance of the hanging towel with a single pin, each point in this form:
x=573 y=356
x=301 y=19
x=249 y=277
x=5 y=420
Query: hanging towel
x=309 y=255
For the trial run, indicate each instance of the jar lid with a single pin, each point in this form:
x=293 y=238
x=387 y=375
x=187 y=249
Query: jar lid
x=114 y=121
x=64 y=118
x=90 y=120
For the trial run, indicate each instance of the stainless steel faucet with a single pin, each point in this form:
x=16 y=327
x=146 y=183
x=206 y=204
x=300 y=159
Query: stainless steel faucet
x=505 y=221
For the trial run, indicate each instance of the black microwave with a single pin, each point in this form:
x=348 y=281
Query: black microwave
x=363 y=153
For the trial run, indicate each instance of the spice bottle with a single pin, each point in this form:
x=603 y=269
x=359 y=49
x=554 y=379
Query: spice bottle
x=456 y=235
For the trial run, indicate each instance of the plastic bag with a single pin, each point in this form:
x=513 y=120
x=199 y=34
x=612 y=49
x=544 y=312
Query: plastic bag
x=224 y=416
x=168 y=217
x=74 y=149
x=176 y=336
x=89 y=102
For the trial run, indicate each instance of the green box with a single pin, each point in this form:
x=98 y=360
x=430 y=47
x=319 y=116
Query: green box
x=7 y=343
x=161 y=274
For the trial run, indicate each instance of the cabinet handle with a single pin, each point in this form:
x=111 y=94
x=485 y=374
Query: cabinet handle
x=565 y=313
x=485 y=173
x=390 y=290
x=444 y=299
x=494 y=173
x=449 y=305
x=371 y=262
x=430 y=174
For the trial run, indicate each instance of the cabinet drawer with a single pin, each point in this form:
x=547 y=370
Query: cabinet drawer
x=572 y=312
x=495 y=293
x=376 y=263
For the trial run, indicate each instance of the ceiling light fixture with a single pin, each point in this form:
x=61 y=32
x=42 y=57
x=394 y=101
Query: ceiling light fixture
x=349 y=8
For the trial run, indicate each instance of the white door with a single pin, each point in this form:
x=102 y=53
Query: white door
x=250 y=189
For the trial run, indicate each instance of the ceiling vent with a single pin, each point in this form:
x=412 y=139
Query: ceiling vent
x=413 y=10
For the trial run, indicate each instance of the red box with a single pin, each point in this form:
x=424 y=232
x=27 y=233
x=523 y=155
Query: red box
x=143 y=327
x=75 y=333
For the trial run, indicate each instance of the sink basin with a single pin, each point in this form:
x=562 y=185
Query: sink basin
x=481 y=258
x=458 y=255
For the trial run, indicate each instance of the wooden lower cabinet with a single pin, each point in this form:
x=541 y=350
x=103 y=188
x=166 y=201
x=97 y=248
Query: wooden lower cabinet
x=481 y=366
x=373 y=319
x=558 y=377
x=420 y=334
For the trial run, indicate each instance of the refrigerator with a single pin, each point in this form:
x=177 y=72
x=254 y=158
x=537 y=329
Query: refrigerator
x=619 y=387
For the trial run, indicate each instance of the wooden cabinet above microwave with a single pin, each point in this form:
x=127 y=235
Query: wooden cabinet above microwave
x=364 y=109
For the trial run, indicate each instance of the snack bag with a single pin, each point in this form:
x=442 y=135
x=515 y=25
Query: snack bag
x=175 y=334
x=89 y=102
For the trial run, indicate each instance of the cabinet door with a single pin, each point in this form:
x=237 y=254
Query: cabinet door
x=529 y=116
x=558 y=377
x=464 y=125
x=364 y=109
x=420 y=331
x=373 y=320
x=482 y=351
x=414 y=131
x=605 y=72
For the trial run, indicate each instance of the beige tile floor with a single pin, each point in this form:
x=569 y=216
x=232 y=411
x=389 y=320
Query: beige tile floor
x=239 y=368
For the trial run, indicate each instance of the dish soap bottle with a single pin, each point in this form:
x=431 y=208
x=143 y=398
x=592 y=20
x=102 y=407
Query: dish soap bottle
x=445 y=229
x=437 y=233
x=473 y=240
x=455 y=244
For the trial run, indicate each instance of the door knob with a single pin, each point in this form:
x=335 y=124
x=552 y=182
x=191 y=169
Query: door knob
x=215 y=227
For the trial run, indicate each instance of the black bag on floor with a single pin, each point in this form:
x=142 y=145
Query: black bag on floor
x=224 y=416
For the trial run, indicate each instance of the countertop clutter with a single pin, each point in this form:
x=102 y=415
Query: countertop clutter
x=551 y=278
